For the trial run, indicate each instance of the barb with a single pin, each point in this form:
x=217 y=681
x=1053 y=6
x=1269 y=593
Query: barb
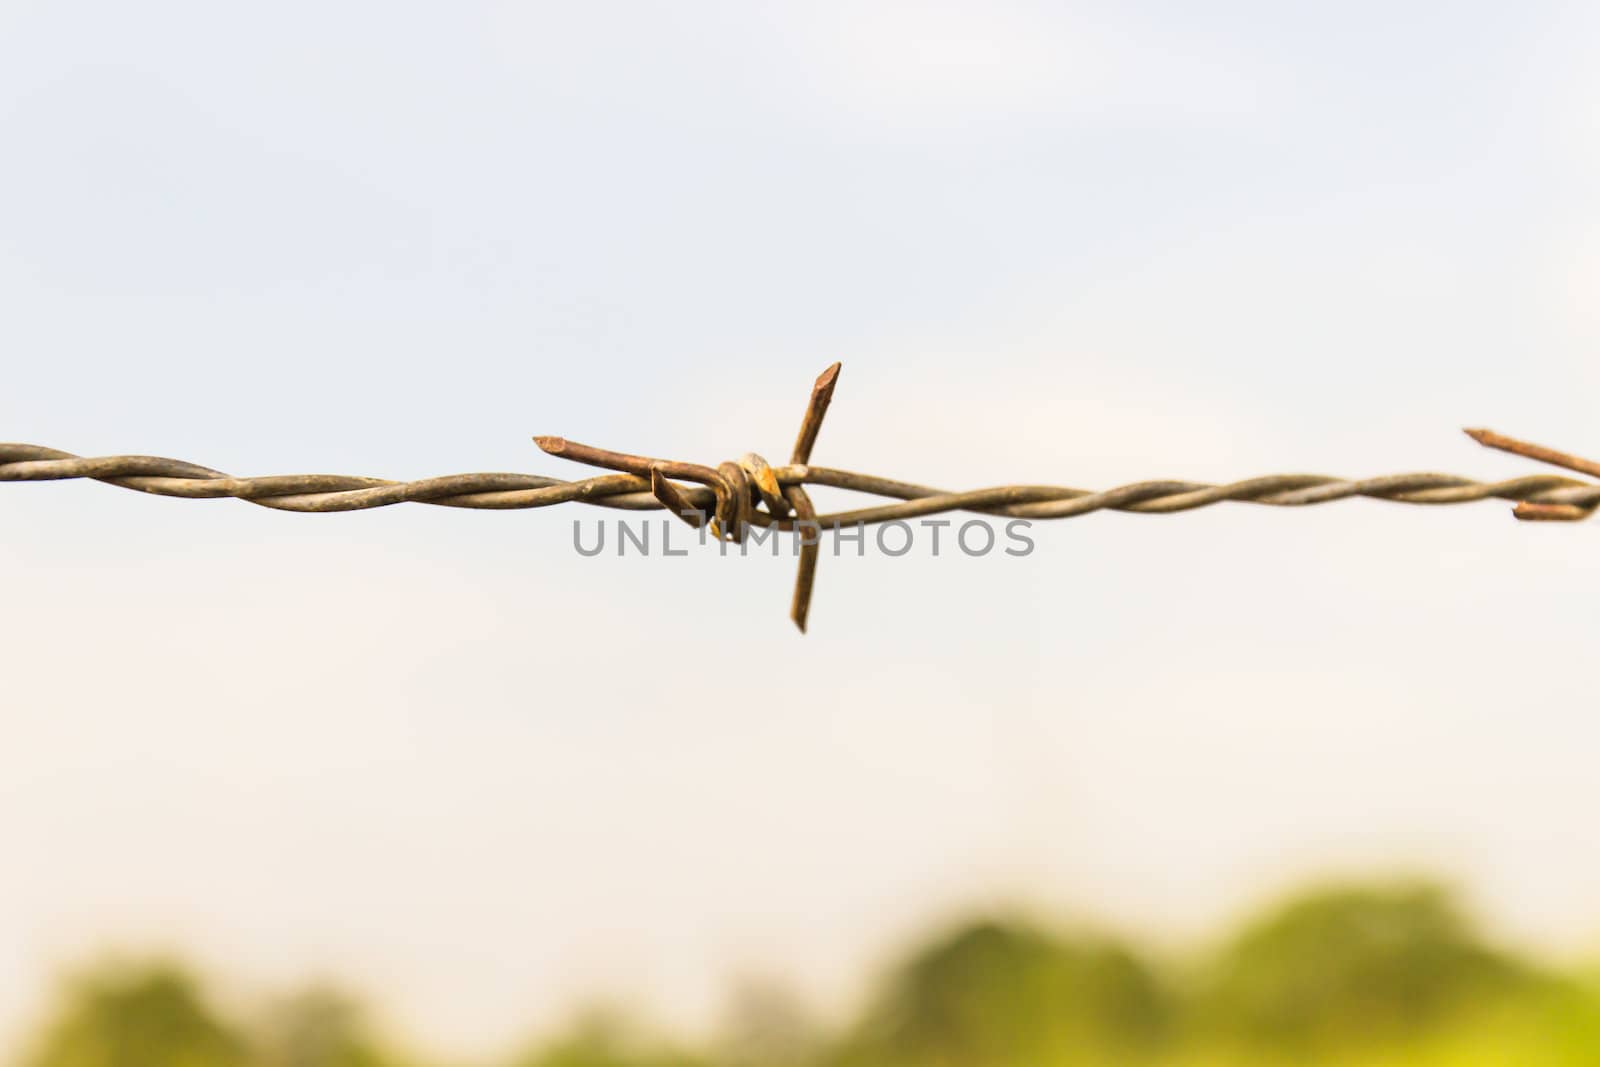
x=796 y=497
x=735 y=495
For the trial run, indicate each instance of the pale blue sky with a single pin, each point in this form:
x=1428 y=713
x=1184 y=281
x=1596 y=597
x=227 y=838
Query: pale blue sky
x=1202 y=241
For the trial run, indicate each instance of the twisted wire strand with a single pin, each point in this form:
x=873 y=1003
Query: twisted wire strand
x=508 y=491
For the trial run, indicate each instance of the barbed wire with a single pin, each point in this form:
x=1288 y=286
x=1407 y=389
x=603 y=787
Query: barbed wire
x=734 y=496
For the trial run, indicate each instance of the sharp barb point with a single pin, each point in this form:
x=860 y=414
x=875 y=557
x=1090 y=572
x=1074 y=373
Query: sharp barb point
x=1528 y=450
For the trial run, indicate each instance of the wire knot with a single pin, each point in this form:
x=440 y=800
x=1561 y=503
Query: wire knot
x=744 y=492
x=746 y=486
x=736 y=494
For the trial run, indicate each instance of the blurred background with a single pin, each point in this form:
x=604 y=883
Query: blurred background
x=1241 y=785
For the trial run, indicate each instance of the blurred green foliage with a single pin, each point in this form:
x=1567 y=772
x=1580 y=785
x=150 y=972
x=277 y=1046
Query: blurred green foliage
x=130 y=1015
x=1354 y=976
x=607 y=1039
x=1354 y=964
x=1010 y=992
x=317 y=1027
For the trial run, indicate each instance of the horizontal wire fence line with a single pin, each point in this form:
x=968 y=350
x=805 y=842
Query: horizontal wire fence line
x=335 y=492
x=734 y=496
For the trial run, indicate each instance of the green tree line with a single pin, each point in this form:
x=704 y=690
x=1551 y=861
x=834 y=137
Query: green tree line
x=1367 y=976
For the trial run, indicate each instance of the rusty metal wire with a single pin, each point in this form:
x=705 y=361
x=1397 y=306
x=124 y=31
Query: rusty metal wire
x=734 y=496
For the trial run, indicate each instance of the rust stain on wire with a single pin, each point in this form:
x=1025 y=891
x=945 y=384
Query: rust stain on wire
x=733 y=496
